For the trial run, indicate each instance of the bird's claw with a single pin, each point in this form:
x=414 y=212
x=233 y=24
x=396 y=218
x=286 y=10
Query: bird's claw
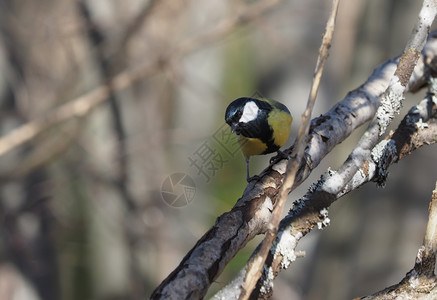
x=279 y=156
x=254 y=177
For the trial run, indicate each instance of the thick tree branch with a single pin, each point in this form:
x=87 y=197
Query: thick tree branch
x=391 y=100
x=311 y=211
x=252 y=212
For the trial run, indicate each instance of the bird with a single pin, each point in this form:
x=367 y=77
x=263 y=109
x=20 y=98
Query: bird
x=262 y=126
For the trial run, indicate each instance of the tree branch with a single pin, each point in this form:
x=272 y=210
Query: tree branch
x=254 y=267
x=311 y=211
x=391 y=100
x=252 y=211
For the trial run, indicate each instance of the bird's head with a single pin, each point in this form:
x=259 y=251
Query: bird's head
x=240 y=112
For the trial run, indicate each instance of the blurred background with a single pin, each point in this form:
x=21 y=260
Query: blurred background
x=108 y=196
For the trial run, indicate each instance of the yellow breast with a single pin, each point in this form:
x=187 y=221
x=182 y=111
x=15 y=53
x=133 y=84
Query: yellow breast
x=280 y=121
x=251 y=146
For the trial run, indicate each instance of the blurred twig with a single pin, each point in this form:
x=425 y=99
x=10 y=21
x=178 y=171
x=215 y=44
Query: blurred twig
x=107 y=67
x=97 y=39
x=83 y=105
x=133 y=28
x=48 y=151
x=248 y=14
x=254 y=269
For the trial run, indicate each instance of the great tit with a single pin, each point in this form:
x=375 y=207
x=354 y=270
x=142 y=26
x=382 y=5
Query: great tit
x=262 y=125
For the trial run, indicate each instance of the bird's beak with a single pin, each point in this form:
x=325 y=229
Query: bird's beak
x=234 y=127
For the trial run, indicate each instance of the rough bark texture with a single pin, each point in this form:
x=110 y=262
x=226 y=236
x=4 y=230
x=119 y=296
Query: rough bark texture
x=252 y=211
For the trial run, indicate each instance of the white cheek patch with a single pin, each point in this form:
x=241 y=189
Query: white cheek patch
x=250 y=112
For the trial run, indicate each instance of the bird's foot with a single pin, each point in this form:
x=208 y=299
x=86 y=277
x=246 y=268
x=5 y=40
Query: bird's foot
x=254 y=177
x=279 y=156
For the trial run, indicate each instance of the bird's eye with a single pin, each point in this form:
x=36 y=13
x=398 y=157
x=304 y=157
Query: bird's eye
x=238 y=115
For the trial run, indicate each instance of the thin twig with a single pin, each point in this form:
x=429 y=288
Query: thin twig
x=118 y=58
x=255 y=267
x=135 y=26
x=48 y=151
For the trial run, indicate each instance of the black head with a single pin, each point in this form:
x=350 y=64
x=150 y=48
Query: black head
x=234 y=111
x=243 y=112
